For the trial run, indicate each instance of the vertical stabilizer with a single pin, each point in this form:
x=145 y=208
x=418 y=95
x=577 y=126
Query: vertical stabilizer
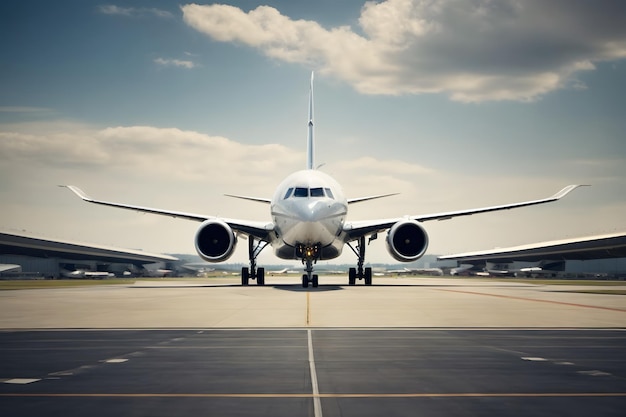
x=310 y=163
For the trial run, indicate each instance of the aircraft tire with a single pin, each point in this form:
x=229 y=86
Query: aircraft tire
x=305 y=281
x=352 y=276
x=245 y=276
x=368 y=276
x=315 y=281
x=260 y=276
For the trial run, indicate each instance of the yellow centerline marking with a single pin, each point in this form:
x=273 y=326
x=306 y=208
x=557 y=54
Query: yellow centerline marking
x=306 y=395
x=308 y=308
x=534 y=299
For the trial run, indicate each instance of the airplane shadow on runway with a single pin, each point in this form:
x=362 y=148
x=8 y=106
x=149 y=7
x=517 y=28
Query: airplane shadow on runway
x=322 y=287
x=284 y=287
x=299 y=288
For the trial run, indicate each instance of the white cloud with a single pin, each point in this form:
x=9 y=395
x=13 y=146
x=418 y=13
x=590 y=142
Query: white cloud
x=140 y=151
x=175 y=63
x=471 y=50
x=64 y=152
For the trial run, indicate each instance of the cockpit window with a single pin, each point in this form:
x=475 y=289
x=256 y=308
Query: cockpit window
x=308 y=192
x=317 y=192
x=301 y=192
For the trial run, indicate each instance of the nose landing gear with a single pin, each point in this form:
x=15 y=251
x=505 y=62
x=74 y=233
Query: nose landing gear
x=309 y=255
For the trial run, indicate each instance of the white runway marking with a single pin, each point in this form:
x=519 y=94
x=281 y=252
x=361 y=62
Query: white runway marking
x=595 y=372
x=116 y=360
x=21 y=381
x=317 y=402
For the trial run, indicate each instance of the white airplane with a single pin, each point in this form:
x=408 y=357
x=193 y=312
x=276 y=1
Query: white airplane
x=10 y=268
x=83 y=273
x=309 y=223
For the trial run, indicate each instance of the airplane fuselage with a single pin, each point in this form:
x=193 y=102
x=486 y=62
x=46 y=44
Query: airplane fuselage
x=308 y=210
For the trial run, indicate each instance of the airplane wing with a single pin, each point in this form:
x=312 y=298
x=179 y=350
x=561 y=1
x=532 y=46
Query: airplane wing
x=355 y=230
x=259 y=230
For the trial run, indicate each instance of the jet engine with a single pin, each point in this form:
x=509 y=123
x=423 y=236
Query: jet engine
x=215 y=241
x=407 y=241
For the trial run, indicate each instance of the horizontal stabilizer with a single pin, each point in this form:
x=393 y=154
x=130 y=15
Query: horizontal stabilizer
x=371 y=197
x=257 y=199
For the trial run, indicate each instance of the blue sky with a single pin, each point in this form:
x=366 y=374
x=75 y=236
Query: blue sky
x=454 y=104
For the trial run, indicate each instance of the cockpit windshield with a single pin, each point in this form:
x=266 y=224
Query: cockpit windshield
x=301 y=192
x=317 y=192
x=308 y=192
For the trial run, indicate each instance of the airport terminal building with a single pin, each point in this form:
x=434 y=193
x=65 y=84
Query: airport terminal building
x=28 y=256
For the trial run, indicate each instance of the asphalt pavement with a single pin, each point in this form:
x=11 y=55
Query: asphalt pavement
x=402 y=347
x=284 y=372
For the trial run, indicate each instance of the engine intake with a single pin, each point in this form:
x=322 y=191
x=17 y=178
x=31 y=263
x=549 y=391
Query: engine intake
x=215 y=241
x=407 y=241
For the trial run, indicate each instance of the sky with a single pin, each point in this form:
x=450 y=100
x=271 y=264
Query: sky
x=453 y=104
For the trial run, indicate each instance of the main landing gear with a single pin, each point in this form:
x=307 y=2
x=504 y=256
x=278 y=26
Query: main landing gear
x=359 y=272
x=254 y=248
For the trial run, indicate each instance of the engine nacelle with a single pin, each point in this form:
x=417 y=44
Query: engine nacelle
x=215 y=241
x=407 y=241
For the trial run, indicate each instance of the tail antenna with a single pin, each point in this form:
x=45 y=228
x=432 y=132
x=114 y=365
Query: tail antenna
x=310 y=148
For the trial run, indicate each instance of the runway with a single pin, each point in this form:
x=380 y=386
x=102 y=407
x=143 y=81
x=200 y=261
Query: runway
x=413 y=346
x=283 y=303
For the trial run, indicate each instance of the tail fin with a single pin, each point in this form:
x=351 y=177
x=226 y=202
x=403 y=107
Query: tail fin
x=310 y=162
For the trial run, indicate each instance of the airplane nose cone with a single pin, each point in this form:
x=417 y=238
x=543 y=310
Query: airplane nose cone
x=317 y=222
x=315 y=211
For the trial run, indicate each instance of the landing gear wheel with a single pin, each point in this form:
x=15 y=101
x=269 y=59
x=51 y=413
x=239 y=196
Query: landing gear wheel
x=255 y=246
x=352 y=276
x=305 y=281
x=245 y=276
x=260 y=276
x=368 y=276
x=315 y=281
x=360 y=272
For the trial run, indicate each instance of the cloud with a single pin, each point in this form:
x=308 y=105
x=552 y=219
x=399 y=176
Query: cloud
x=110 y=9
x=137 y=154
x=471 y=50
x=142 y=152
x=175 y=63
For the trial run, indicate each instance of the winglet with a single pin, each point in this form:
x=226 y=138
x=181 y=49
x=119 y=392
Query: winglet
x=567 y=190
x=310 y=163
x=78 y=192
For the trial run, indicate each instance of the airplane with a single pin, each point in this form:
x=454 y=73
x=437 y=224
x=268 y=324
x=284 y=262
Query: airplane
x=83 y=273
x=10 y=268
x=416 y=271
x=309 y=223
